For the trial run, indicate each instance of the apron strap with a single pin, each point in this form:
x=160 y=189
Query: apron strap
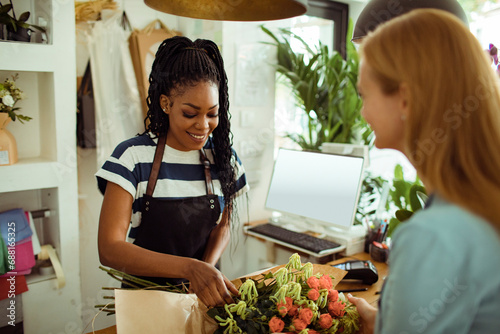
x=155 y=169
x=208 y=177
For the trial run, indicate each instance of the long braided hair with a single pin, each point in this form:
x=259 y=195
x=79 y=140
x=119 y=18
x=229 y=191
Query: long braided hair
x=179 y=63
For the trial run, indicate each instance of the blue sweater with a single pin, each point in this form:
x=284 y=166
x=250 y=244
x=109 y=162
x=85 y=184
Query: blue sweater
x=444 y=275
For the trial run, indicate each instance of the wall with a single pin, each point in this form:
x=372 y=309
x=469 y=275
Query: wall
x=251 y=91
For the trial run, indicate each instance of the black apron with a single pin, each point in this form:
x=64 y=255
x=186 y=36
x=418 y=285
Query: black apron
x=177 y=226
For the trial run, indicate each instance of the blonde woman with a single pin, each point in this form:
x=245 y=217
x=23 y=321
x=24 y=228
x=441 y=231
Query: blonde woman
x=428 y=91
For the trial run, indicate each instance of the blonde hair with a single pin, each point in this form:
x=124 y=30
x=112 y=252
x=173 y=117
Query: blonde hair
x=452 y=132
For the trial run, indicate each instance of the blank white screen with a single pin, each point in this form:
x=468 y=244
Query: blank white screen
x=316 y=185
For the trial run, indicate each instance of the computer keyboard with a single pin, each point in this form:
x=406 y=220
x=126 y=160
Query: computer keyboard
x=301 y=240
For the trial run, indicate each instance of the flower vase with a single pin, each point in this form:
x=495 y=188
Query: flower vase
x=8 y=147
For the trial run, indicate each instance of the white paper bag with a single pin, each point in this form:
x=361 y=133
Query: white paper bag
x=160 y=312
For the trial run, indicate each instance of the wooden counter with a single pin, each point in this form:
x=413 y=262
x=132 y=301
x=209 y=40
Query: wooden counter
x=372 y=294
x=109 y=330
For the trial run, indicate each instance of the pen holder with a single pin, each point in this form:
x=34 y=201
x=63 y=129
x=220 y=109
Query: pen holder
x=370 y=237
x=378 y=252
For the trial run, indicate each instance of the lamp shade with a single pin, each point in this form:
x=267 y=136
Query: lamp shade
x=231 y=10
x=379 y=11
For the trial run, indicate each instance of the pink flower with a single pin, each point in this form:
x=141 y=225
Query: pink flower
x=313 y=282
x=336 y=309
x=325 y=282
x=299 y=324
x=306 y=314
x=313 y=294
x=333 y=295
x=312 y=331
x=325 y=321
x=276 y=325
x=283 y=308
x=293 y=311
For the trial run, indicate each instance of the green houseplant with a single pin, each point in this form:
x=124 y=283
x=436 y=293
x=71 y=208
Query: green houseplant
x=17 y=28
x=406 y=196
x=324 y=87
x=9 y=95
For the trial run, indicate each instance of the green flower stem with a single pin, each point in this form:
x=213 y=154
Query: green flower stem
x=281 y=277
x=308 y=270
x=248 y=292
x=139 y=283
x=294 y=290
x=323 y=298
x=294 y=262
x=281 y=294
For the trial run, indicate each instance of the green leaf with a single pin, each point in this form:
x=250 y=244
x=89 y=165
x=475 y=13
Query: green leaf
x=24 y=17
x=22 y=25
x=252 y=328
x=422 y=196
x=23 y=119
x=213 y=312
x=42 y=29
x=399 y=193
x=5 y=9
x=415 y=203
x=403 y=215
x=393 y=224
x=5 y=20
x=398 y=172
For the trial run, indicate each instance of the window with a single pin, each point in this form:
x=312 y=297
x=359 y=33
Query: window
x=325 y=22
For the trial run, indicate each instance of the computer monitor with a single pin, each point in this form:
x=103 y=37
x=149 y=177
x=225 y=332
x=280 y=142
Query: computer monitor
x=315 y=189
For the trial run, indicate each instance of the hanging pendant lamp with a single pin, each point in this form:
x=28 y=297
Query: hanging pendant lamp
x=231 y=10
x=379 y=11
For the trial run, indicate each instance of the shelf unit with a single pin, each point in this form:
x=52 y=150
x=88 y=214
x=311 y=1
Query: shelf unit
x=46 y=175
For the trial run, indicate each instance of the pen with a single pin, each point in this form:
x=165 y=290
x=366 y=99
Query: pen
x=384 y=232
x=353 y=290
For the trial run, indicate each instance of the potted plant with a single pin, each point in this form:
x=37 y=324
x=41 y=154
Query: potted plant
x=17 y=29
x=406 y=196
x=9 y=95
x=324 y=87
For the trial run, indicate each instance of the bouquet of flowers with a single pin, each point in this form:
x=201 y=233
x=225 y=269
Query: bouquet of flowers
x=289 y=300
x=292 y=298
x=9 y=95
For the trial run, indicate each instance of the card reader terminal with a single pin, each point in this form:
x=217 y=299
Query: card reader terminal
x=359 y=270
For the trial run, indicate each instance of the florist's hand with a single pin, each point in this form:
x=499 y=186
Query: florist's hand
x=367 y=312
x=210 y=285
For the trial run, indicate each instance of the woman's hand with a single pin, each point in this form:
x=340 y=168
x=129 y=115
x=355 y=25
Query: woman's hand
x=367 y=312
x=209 y=284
